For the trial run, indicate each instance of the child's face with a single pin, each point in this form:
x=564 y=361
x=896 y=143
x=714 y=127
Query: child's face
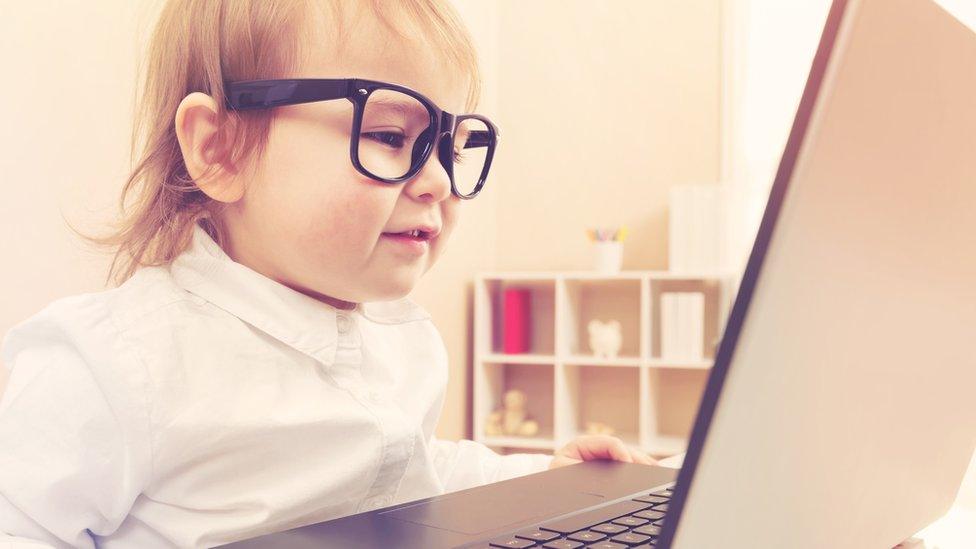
x=310 y=220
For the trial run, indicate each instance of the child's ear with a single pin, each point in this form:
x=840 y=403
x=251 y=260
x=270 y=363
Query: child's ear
x=196 y=130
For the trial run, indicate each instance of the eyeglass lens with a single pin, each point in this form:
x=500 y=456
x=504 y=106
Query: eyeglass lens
x=395 y=132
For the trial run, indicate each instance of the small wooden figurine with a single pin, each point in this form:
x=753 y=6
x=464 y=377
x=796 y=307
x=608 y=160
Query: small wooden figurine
x=598 y=428
x=511 y=418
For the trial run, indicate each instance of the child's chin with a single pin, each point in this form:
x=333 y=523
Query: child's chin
x=390 y=282
x=395 y=287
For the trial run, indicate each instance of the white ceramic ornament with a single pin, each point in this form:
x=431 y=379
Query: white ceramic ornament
x=605 y=338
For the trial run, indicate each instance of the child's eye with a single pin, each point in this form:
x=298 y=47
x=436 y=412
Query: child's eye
x=391 y=139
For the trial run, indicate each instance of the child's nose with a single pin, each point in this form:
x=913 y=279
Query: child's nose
x=432 y=183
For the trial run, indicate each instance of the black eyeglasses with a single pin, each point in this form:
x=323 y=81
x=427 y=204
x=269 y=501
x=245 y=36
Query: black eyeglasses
x=394 y=128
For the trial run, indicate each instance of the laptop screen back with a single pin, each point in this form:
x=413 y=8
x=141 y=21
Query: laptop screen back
x=839 y=412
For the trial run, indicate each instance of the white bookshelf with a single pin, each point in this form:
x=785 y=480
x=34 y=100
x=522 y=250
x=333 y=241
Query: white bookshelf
x=649 y=400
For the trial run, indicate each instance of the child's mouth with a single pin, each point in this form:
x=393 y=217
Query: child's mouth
x=415 y=242
x=415 y=234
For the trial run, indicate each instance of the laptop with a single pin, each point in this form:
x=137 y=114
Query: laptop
x=839 y=412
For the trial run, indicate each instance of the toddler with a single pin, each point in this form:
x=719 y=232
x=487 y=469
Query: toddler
x=258 y=365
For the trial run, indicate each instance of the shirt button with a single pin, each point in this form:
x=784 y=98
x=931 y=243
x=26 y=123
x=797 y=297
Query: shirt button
x=342 y=322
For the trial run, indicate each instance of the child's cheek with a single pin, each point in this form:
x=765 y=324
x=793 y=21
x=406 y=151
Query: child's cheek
x=346 y=221
x=450 y=216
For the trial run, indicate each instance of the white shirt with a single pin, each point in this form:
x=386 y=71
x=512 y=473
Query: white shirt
x=204 y=403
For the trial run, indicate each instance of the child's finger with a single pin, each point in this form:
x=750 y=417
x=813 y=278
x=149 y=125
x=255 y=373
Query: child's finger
x=603 y=446
x=643 y=457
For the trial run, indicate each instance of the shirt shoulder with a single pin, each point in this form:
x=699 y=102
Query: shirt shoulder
x=148 y=291
x=93 y=325
x=77 y=403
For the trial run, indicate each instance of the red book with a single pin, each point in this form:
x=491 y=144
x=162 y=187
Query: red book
x=517 y=324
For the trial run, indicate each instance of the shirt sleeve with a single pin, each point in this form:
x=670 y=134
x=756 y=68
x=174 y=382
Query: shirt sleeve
x=12 y=542
x=466 y=463
x=75 y=441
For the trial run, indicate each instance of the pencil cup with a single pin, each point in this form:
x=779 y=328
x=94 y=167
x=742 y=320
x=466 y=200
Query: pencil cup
x=608 y=256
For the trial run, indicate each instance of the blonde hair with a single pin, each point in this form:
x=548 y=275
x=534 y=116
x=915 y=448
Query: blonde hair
x=197 y=45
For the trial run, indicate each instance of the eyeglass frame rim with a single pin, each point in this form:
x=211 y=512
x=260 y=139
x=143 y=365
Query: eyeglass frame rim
x=280 y=92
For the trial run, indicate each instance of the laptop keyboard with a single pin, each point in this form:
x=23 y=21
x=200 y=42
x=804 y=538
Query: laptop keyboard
x=629 y=524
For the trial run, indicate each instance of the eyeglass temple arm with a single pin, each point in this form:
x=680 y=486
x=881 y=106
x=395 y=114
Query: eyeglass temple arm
x=478 y=138
x=262 y=94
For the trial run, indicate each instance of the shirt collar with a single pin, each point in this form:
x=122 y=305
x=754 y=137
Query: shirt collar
x=292 y=317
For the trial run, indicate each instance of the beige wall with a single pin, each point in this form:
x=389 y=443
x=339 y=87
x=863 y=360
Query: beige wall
x=605 y=106
x=66 y=116
x=602 y=107
x=66 y=110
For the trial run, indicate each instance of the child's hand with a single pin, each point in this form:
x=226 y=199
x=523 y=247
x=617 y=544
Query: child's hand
x=590 y=447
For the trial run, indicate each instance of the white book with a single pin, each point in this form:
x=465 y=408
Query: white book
x=710 y=230
x=695 y=228
x=677 y=247
x=691 y=230
x=683 y=315
x=706 y=218
x=669 y=325
x=695 y=325
x=683 y=326
x=709 y=227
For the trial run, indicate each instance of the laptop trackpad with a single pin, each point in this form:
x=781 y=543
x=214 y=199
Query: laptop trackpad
x=493 y=506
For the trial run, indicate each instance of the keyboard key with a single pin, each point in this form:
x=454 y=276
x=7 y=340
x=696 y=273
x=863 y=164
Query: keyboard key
x=587 y=536
x=652 y=499
x=606 y=545
x=563 y=544
x=609 y=528
x=649 y=514
x=583 y=521
x=662 y=507
x=630 y=538
x=649 y=530
x=511 y=542
x=630 y=521
x=537 y=535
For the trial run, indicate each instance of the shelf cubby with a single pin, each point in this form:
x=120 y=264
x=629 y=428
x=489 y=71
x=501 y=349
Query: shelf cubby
x=712 y=291
x=650 y=401
x=585 y=299
x=490 y=294
x=676 y=394
x=602 y=394
x=537 y=381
